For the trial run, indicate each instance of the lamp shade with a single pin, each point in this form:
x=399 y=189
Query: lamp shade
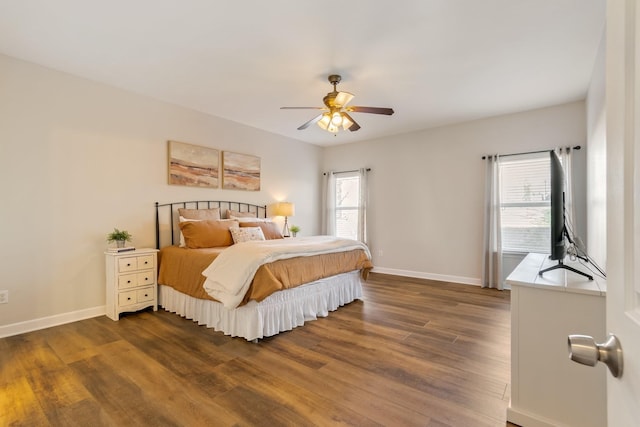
x=283 y=209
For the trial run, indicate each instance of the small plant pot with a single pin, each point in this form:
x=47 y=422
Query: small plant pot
x=120 y=243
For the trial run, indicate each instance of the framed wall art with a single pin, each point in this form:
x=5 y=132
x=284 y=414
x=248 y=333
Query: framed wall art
x=193 y=165
x=240 y=171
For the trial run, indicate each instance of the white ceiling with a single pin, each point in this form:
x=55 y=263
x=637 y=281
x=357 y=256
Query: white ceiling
x=434 y=62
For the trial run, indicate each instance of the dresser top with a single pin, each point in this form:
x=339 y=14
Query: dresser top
x=141 y=251
x=526 y=274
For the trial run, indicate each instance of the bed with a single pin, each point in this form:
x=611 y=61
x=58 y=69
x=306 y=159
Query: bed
x=260 y=284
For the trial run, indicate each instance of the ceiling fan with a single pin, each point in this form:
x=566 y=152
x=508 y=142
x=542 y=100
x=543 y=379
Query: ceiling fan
x=336 y=112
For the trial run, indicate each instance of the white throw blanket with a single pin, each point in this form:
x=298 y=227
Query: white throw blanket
x=230 y=274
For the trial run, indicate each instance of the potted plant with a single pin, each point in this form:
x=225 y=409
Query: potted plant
x=294 y=230
x=119 y=236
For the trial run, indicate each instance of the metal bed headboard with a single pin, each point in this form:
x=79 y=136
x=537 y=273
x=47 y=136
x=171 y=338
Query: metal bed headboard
x=223 y=205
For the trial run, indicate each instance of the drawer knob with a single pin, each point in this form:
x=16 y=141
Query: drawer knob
x=146 y=295
x=128 y=298
x=146 y=278
x=128 y=281
x=146 y=262
x=128 y=265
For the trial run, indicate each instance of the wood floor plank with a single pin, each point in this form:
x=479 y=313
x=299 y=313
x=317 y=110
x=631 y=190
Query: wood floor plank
x=413 y=353
x=364 y=401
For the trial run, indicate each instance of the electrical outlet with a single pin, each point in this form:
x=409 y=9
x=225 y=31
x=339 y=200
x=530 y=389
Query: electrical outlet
x=380 y=253
x=4 y=297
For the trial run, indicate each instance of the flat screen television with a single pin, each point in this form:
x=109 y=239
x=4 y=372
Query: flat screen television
x=560 y=236
x=558 y=227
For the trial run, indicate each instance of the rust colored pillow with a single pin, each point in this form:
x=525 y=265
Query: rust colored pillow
x=269 y=229
x=212 y=214
x=207 y=233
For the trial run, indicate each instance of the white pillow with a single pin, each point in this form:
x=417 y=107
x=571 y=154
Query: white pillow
x=246 y=234
x=250 y=219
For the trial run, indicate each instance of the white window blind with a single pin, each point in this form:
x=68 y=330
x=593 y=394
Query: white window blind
x=525 y=203
x=347 y=204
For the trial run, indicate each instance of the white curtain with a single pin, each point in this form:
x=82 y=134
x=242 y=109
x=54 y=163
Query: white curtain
x=565 y=155
x=362 y=206
x=329 y=204
x=492 y=259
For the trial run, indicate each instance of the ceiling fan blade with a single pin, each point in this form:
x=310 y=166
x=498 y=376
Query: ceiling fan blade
x=342 y=99
x=373 y=110
x=354 y=126
x=310 y=122
x=303 y=108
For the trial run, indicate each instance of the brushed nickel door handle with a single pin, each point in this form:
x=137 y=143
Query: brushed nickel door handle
x=583 y=349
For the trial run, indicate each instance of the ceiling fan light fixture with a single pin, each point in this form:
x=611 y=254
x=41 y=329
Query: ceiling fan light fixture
x=325 y=121
x=342 y=99
x=336 y=119
x=346 y=123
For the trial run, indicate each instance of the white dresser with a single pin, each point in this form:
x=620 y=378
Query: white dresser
x=131 y=281
x=548 y=389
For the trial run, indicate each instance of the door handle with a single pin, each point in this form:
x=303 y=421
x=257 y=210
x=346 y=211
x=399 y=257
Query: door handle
x=584 y=349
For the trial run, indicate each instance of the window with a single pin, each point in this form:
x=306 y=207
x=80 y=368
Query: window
x=347 y=204
x=525 y=206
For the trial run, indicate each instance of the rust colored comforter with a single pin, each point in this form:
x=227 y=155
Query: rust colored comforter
x=181 y=268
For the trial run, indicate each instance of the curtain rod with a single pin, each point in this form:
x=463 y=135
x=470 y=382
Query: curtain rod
x=577 y=147
x=355 y=170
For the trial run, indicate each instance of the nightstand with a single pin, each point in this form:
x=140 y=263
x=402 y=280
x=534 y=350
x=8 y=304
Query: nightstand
x=131 y=281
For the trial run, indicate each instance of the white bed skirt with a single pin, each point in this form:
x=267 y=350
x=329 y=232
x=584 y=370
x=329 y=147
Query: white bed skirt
x=281 y=311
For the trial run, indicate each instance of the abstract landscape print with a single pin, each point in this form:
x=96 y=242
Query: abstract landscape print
x=240 y=171
x=193 y=165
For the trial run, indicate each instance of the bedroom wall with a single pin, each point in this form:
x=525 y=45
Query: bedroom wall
x=426 y=188
x=79 y=158
x=597 y=161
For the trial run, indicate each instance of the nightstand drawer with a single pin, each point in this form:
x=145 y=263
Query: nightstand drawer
x=128 y=281
x=136 y=279
x=146 y=278
x=127 y=264
x=145 y=262
x=135 y=263
x=144 y=295
x=127 y=298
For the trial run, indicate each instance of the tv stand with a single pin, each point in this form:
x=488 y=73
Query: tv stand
x=561 y=264
x=548 y=389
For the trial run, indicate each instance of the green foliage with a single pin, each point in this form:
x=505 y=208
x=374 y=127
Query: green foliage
x=294 y=229
x=116 y=235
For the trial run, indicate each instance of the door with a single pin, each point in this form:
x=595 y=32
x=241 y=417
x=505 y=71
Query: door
x=623 y=205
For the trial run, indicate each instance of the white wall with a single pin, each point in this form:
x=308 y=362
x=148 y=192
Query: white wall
x=426 y=188
x=79 y=158
x=597 y=161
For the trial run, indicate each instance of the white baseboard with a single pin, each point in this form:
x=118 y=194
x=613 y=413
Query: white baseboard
x=47 y=322
x=524 y=418
x=430 y=276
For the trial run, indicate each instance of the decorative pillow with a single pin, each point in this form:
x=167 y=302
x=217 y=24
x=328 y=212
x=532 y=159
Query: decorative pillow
x=250 y=219
x=212 y=214
x=183 y=219
x=207 y=233
x=246 y=234
x=269 y=228
x=237 y=214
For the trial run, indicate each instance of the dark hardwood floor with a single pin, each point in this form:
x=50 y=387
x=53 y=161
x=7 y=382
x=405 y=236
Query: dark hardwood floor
x=413 y=353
